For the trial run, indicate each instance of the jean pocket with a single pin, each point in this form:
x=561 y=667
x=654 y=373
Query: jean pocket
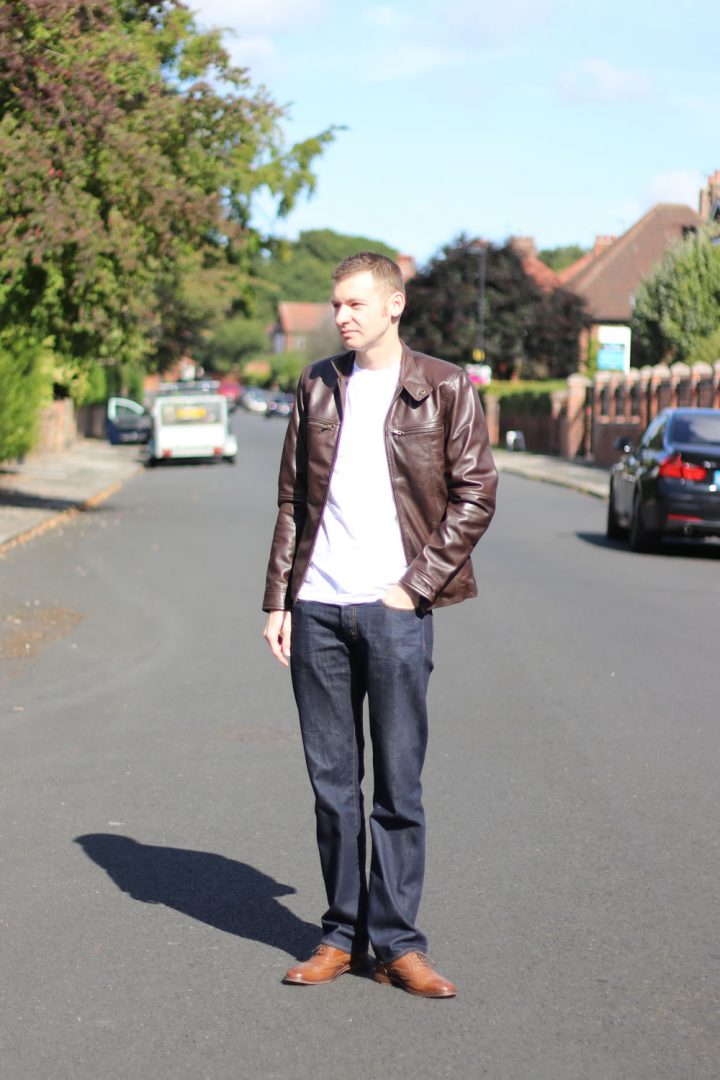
x=399 y=610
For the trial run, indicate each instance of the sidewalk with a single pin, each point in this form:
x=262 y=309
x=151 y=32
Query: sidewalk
x=592 y=479
x=48 y=488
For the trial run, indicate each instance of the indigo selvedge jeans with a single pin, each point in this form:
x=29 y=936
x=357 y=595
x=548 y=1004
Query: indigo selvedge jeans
x=341 y=655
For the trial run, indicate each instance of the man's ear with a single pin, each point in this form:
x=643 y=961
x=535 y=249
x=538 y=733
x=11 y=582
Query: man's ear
x=396 y=304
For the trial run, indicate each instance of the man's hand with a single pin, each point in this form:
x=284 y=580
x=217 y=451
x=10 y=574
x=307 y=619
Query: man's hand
x=397 y=597
x=277 y=634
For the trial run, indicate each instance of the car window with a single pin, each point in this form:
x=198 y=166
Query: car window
x=653 y=437
x=700 y=430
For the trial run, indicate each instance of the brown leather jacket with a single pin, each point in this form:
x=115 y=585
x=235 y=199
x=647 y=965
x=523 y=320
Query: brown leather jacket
x=441 y=468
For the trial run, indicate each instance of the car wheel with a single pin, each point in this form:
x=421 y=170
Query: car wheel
x=613 y=529
x=641 y=539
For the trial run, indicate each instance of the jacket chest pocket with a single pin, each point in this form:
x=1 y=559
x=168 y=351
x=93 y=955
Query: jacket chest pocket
x=419 y=454
x=320 y=426
x=321 y=435
x=420 y=439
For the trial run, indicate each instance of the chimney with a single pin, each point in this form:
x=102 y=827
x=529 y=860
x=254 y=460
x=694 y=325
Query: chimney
x=524 y=246
x=710 y=194
x=407 y=266
x=602 y=242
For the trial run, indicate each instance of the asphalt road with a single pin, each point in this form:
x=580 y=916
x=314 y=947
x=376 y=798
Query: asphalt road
x=158 y=861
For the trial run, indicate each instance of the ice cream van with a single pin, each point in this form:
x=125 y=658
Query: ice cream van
x=191 y=426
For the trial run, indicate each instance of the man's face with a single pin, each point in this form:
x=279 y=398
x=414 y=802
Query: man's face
x=366 y=311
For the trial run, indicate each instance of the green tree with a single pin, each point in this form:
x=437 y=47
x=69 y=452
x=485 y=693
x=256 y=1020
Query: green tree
x=230 y=342
x=131 y=156
x=301 y=269
x=552 y=345
x=679 y=304
x=706 y=350
x=558 y=258
x=526 y=331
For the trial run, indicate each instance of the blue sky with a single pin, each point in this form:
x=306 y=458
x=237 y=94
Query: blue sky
x=557 y=119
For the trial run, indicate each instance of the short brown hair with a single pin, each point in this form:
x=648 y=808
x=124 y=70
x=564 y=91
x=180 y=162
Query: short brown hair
x=384 y=270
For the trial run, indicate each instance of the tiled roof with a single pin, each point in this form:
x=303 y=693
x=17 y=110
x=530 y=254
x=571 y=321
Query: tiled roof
x=542 y=275
x=601 y=242
x=609 y=281
x=302 y=318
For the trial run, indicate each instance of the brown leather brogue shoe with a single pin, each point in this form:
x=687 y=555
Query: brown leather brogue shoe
x=414 y=973
x=326 y=964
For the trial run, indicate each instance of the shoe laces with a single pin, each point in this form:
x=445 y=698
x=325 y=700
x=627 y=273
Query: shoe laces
x=423 y=960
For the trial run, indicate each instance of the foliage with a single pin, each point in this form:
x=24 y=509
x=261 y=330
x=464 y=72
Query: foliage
x=525 y=396
x=225 y=346
x=302 y=270
x=706 y=350
x=679 y=305
x=95 y=389
x=25 y=387
x=526 y=331
x=286 y=369
x=552 y=345
x=558 y=258
x=131 y=156
x=518 y=388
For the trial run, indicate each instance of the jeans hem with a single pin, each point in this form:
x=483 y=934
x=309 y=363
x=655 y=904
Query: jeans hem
x=346 y=946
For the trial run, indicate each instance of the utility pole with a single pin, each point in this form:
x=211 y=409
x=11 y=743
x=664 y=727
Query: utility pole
x=479 y=247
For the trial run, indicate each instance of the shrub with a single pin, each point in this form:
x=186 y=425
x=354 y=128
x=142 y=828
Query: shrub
x=525 y=397
x=23 y=390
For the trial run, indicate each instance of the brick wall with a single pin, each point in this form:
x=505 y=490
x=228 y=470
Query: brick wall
x=56 y=427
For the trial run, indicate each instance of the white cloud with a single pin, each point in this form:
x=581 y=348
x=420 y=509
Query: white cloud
x=408 y=62
x=596 y=82
x=496 y=20
x=251 y=51
x=388 y=18
x=253 y=16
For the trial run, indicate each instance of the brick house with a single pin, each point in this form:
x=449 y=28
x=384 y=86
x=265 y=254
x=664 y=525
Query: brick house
x=297 y=323
x=608 y=278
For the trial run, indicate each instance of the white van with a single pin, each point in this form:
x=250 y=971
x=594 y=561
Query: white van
x=191 y=425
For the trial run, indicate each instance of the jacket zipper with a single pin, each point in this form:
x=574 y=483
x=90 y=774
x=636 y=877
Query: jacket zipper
x=388 y=432
x=324 y=426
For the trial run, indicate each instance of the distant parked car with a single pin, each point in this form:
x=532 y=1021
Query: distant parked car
x=279 y=405
x=127 y=422
x=669 y=484
x=230 y=390
x=255 y=400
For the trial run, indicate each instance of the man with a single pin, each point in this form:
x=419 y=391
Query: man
x=386 y=485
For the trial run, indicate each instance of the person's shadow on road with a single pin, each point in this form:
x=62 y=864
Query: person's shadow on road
x=228 y=895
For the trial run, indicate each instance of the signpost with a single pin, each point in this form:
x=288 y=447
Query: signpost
x=613 y=348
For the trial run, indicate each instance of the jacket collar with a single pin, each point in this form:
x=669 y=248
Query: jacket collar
x=410 y=376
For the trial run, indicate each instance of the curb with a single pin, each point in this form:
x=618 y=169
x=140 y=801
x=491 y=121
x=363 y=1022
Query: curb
x=557 y=481
x=63 y=516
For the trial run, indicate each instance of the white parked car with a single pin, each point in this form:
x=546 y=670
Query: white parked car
x=191 y=425
x=180 y=424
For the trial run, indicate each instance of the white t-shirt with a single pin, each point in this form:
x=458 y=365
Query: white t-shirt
x=358 y=551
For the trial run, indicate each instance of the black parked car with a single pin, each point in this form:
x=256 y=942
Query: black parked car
x=669 y=484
